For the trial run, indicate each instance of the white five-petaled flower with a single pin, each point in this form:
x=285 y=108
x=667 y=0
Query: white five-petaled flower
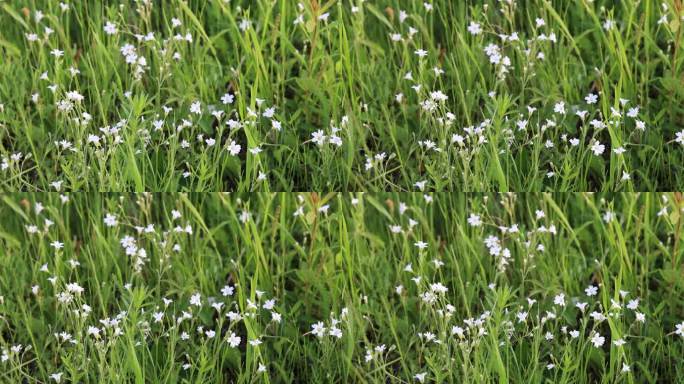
x=591 y=290
x=474 y=28
x=318 y=329
x=233 y=340
x=234 y=148
x=196 y=108
x=598 y=148
x=474 y=220
x=110 y=220
x=597 y=340
x=679 y=329
x=110 y=28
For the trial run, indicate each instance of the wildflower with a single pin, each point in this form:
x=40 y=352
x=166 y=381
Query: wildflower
x=421 y=53
x=318 y=329
x=336 y=332
x=680 y=329
x=420 y=377
x=559 y=300
x=633 y=304
x=233 y=340
x=597 y=340
x=680 y=137
x=559 y=108
x=474 y=220
x=318 y=137
x=522 y=316
x=227 y=290
x=474 y=28
x=196 y=300
x=591 y=290
x=234 y=148
x=110 y=220
x=591 y=98
x=110 y=28
x=598 y=148
x=196 y=108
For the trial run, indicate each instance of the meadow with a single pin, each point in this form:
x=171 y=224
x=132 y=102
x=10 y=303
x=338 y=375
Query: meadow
x=341 y=95
x=345 y=288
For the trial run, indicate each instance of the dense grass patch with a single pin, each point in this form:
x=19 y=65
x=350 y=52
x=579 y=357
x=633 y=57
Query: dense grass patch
x=386 y=288
x=341 y=95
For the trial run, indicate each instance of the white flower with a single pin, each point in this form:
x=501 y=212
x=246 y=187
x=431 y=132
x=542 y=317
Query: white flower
x=420 y=376
x=233 y=340
x=591 y=98
x=110 y=28
x=597 y=340
x=227 y=98
x=591 y=290
x=640 y=317
x=474 y=220
x=336 y=332
x=633 y=304
x=474 y=28
x=234 y=148
x=318 y=329
x=598 y=148
x=227 y=290
x=57 y=377
x=318 y=137
x=559 y=108
x=110 y=220
x=559 y=299
x=196 y=299
x=680 y=329
x=196 y=108
x=680 y=137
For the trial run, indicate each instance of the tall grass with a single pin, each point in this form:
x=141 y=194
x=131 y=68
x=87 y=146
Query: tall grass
x=384 y=287
x=338 y=67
